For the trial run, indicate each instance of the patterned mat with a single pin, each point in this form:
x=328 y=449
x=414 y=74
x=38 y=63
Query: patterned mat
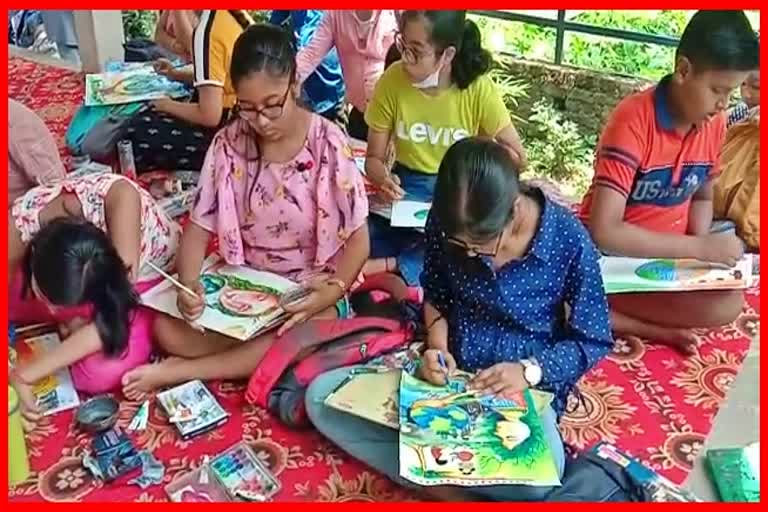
x=649 y=400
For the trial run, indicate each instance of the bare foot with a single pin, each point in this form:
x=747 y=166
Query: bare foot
x=144 y=379
x=682 y=340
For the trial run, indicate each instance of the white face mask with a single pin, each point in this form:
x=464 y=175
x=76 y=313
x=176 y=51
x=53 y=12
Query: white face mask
x=432 y=80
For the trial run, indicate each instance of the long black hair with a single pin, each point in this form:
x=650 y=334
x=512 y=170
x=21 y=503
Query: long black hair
x=74 y=263
x=452 y=28
x=476 y=189
x=261 y=47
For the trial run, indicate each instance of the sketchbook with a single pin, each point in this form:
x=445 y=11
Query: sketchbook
x=374 y=395
x=451 y=436
x=130 y=85
x=627 y=275
x=240 y=302
x=410 y=214
x=55 y=393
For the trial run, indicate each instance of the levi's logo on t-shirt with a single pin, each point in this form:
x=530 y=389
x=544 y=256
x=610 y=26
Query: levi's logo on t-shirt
x=425 y=133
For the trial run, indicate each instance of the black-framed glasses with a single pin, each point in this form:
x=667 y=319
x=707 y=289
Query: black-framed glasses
x=271 y=112
x=461 y=248
x=408 y=53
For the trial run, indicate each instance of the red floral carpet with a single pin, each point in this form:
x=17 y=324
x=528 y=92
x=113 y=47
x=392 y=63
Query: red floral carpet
x=648 y=400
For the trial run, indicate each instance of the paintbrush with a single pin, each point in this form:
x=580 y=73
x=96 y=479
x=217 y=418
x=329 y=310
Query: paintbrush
x=181 y=287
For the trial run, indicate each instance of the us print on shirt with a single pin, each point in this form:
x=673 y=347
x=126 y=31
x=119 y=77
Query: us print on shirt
x=656 y=187
x=425 y=133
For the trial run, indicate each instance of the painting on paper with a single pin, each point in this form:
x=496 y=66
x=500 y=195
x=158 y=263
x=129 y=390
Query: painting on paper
x=451 y=436
x=627 y=275
x=137 y=84
x=240 y=302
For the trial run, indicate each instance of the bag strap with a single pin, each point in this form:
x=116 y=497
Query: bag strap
x=284 y=350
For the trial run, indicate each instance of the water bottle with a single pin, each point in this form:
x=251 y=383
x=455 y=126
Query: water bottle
x=125 y=154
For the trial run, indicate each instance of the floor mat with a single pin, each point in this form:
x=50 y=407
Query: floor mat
x=648 y=400
x=54 y=93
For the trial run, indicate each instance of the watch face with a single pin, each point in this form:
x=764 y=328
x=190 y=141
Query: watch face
x=532 y=374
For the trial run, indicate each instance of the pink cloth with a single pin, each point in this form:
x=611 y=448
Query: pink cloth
x=33 y=158
x=293 y=217
x=362 y=48
x=95 y=373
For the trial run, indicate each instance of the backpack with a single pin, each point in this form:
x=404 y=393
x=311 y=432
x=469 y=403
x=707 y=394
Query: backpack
x=95 y=131
x=279 y=382
x=596 y=476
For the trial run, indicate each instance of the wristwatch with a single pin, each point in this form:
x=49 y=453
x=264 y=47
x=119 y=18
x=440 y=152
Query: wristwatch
x=531 y=372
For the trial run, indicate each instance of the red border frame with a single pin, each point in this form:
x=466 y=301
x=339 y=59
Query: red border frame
x=593 y=4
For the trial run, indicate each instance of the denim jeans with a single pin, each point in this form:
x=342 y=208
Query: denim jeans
x=406 y=244
x=377 y=445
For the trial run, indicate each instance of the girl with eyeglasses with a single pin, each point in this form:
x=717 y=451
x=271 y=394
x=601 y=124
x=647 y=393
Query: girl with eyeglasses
x=438 y=93
x=281 y=191
x=513 y=292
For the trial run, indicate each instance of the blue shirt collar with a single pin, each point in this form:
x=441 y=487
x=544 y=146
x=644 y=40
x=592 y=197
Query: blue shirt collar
x=661 y=105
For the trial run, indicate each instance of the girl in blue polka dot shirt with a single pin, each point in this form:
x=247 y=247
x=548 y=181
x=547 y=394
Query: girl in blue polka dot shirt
x=512 y=291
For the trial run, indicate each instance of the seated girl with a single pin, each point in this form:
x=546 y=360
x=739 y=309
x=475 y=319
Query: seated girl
x=362 y=38
x=439 y=92
x=503 y=265
x=280 y=189
x=175 y=134
x=84 y=243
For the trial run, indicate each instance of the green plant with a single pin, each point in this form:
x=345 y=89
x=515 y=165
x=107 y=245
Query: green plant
x=139 y=24
x=558 y=149
x=512 y=90
x=260 y=15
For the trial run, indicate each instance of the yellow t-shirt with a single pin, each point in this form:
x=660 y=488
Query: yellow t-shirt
x=425 y=126
x=213 y=42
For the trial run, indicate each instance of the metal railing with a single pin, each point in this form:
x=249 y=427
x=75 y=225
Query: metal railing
x=561 y=26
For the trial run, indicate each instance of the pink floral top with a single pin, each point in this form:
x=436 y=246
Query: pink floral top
x=289 y=218
x=159 y=233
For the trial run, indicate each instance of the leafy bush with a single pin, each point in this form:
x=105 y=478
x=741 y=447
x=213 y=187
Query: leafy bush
x=558 y=149
x=630 y=58
x=260 y=15
x=139 y=24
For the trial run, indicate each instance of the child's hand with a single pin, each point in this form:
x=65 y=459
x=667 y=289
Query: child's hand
x=387 y=186
x=323 y=296
x=430 y=369
x=30 y=413
x=500 y=379
x=163 y=66
x=191 y=307
x=725 y=248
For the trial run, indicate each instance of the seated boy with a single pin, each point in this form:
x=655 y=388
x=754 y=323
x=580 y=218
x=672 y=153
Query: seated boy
x=651 y=196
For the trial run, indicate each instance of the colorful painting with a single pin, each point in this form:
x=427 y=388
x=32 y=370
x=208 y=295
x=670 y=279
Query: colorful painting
x=627 y=275
x=136 y=84
x=410 y=214
x=372 y=392
x=56 y=392
x=240 y=302
x=451 y=436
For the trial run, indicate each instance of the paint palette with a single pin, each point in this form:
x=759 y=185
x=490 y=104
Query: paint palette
x=243 y=474
x=199 y=486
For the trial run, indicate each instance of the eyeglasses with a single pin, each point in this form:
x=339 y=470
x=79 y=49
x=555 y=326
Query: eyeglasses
x=408 y=54
x=271 y=112
x=457 y=246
